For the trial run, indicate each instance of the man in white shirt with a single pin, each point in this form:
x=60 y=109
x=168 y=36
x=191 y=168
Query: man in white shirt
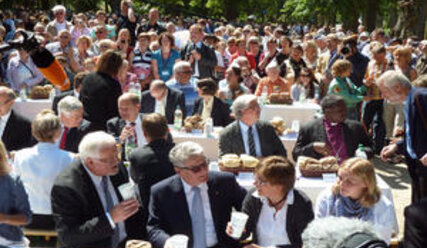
x=87 y=210
x=196 y=202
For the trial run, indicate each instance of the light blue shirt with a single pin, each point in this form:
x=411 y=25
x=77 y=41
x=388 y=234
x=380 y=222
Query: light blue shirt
x=244 y=129
x=189 y=90
x=38 y=167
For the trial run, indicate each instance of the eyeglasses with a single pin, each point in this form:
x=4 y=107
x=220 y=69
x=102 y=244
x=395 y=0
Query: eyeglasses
x=110 y=162
x=59 y=13
x=64 y=37
x=187 y=72
x=197 y=168
x=259 y=182
x=305 y=75
x=99 y=32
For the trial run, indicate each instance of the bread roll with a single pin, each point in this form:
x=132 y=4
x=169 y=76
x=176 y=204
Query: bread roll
x=249 y=161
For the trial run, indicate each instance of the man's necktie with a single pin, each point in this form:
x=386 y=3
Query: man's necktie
x=198 y=220
x=251 y=142
x=115 y=239
x=63 y=138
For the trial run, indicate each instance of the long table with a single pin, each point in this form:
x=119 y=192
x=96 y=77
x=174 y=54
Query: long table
x=303 y=112
x=312 y=187
x=30 y=108
x=211 y=146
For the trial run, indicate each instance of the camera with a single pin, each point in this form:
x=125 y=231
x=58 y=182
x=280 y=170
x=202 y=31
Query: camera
x=346 y=49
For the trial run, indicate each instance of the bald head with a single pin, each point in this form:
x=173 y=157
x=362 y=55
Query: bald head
x=129 y=106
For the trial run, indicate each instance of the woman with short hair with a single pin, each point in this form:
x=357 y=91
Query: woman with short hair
x=278 y=213
x=39 y=165
x=355 y=194
x=163 y=60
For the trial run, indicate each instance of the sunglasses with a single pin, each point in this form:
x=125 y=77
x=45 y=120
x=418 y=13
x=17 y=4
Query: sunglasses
x=99 y=32
x=197 y=168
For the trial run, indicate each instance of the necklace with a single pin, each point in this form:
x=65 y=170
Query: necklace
x=274 y=205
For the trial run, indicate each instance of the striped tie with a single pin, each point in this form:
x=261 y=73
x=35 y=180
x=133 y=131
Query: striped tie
x=115 y=239
x=251 y=142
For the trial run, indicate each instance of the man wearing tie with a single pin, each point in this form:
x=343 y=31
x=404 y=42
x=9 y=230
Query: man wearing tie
x=249 y=135
x=163 y=100
x=201 y=57
x=196 y=202
x=129 y=123
x=395 y=87
x=74 y=127
x=87 y=207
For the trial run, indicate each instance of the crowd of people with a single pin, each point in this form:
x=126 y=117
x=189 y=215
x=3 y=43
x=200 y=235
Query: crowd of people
x=130 y=75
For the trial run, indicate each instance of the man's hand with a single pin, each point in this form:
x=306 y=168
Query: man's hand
x=124 y=210
x=126 y=132
x=424 y=160
x=196 y=55
x=322 y=148
x=388 y=151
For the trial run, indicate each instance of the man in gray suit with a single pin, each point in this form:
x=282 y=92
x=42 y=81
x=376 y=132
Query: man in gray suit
x=249 y=135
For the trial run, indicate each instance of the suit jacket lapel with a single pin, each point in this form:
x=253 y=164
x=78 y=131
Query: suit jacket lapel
x=9 y=123
x=238 y=140
x=213 y=200
x=181 y=203
x=91 y=191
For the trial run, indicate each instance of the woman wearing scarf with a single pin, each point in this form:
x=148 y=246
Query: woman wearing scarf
x=356 y=195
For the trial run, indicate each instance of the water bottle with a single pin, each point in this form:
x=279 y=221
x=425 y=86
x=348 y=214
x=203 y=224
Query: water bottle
x=208 y=130
x=360 y=152
x=129 y=146
x=131 y=88
x=264 y=95
x=23 y=94
x=138 y=89
x=177 y=118
x=52 y=94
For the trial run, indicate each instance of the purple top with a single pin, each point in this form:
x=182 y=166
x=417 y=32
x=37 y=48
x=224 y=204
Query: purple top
x=335 y=137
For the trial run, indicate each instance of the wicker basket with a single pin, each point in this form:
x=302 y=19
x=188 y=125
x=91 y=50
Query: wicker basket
x=315 y=173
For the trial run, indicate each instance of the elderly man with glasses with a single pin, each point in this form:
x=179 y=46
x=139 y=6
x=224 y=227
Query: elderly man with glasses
x=87 y=208
x=195 y=202
x=64 y=47
x=59 y=23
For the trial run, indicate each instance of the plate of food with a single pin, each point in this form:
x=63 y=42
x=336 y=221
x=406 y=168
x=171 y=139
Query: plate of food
x=194 y=124
x=233 y=163
x=311 y=167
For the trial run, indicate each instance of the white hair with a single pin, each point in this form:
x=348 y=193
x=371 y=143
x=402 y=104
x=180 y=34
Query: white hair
x=59 y=8
x=272 y=65
x=92 y=143
x=183 y=151
x=69 y=104
x=241 y=103
x=328 y=232
x=179 y=66
x=393 y=78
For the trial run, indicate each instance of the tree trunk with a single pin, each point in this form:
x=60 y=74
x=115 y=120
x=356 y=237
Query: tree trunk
x=422 y=19
x=408 y=18
x=371 y=15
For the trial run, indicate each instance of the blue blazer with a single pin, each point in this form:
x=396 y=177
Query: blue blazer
x=417 y=131
x=169 y=215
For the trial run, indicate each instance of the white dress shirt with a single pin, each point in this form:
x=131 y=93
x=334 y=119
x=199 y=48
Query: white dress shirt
x=160 y=106
x=138 y=130
x=196 y=62
x=211 y=238
x=271 y=226
x=3 y=121
x=97 y=182
x=207 y=108
x=244 y=130
x=38 y=167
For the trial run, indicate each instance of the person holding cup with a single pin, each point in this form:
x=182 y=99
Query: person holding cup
x=278 y=213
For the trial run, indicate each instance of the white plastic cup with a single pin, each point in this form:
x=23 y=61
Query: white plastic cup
x=238 y=223
x=295 y=125
x=179 y=241
x=127 y=190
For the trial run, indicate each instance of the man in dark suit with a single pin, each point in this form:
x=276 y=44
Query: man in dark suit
x=333 y=135
x=86 y=204
x=15 y=130
x=78 y=79
x=201 y=57
x=196 y=202
x=249 y=135
x=416 y=225
x=74 y=127
x=395 y=87
x=163 y=100
x=150 y=163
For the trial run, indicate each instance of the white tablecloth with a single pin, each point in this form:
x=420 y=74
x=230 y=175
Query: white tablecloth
x=312 y=187
x=211 y=147
x=303 y=112
x=30 y=108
